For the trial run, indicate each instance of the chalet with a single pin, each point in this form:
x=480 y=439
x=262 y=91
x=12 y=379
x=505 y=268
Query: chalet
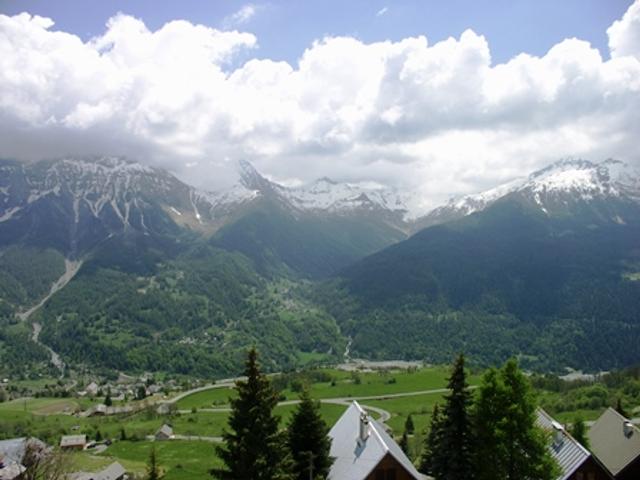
x=615 y=441
x=73 y=442
x=363 y=450
x=115 y=471
x=164 y=433
x=574 y=460
x=92 y=389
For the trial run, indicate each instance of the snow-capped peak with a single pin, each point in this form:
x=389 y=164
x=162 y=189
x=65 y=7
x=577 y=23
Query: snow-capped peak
x=578 y=179
x=250 y=178
x=322 y=195
x=586 y=179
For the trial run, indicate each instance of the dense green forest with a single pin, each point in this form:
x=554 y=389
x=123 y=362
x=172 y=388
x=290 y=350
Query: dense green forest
x=619 y=389
x=507 y=281
x=195 y=314
x=26 y=274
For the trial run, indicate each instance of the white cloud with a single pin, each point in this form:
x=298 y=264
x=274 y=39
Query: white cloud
x=624 y=34
x=382 y=11
x=242 y=16
x=402 y=113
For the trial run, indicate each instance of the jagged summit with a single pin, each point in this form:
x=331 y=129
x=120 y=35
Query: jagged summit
x=322 y=195
x=564 y=182
x=251 y=179
x=608 y=178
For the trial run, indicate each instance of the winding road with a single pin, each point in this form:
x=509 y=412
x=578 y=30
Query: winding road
x=383 y=415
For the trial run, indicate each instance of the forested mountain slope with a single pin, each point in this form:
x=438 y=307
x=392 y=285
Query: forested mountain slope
x=549 y=270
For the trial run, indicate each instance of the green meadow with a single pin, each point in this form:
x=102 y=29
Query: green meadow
x=400 y=392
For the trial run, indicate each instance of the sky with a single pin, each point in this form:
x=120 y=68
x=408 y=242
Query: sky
x=449 y=97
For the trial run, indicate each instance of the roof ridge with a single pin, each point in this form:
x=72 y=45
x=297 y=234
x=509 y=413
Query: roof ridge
x=565 y=431
x=372 y=425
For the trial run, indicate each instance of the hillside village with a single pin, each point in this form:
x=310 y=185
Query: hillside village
x=362 y=443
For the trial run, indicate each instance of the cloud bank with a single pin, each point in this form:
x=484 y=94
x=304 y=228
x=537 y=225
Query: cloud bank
x=404 y=113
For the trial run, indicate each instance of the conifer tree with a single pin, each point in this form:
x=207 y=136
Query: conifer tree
x=254 y=449
x=620 y=409
x=404 y=443
x=409 y=427
x=455 y=451
x=308 y=440
x=510 y=446
x=152 y=467
x=579 y=432
x=430 y=459
x=488 y=414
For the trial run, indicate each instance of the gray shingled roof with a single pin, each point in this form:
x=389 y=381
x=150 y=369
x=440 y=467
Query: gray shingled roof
x=114 y=471
x=73 y=440
x=165 y=430
x=12 y=450
x=354 y=459
x=563 y=447
x=610 y=444
x=12 y=453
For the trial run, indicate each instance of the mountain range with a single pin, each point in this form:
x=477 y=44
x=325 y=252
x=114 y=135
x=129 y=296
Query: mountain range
x=152 y=273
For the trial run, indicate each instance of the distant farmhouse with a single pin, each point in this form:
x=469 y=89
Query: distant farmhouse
x=363 y=450
x=164 y=433
x=616 y=443
x=73 y=442
x=115 y=471
x=574 y=460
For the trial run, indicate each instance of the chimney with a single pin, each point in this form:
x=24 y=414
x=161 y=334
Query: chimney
x=558 y=433
x=364 y=427
x=627 y=428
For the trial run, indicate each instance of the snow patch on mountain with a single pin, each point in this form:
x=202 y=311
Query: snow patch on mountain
x=330 y=196
x=576 y=178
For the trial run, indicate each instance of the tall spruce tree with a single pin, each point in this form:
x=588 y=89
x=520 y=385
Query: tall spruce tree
x=153 y=472
x=404 y=443
x=488 y=414
x=620 y=409
x=409 y=427
x=455 y=451
x=510 y=446
x=254 y=448
x=308 y=441
x=430 y=461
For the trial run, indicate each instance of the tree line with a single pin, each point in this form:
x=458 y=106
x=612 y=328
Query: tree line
x=493 y=435
x=486 y=436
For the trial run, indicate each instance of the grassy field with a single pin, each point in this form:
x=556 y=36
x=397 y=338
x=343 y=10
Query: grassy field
x=214 y=397
x=363 y=384
x=419 y=407
x=343 y=385
x=44 y=406
x=178 y=459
